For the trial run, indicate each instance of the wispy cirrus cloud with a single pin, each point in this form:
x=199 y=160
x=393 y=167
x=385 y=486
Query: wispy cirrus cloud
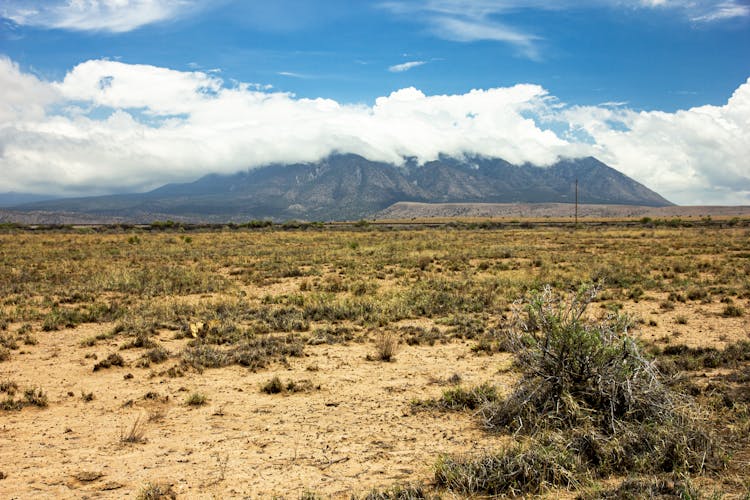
x=292 y=74
x=400 y=68
x=115 y=16
x=481 y=20
x=723 y=11
x=702 y=11
x=469 y=21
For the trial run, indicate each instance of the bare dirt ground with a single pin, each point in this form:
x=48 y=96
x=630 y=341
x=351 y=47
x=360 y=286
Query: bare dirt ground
x=692 y=324
x=357 y=431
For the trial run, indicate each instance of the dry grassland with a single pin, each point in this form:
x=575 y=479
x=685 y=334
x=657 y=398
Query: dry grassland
x=354 y=363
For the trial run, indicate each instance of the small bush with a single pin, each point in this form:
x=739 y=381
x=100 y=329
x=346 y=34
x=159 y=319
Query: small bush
x=667 y=305
x=31 y=397
x=697 y=294
x=331 y=335
x=310 y=495
x=253 y=353
x=416 y=335
x=683 y=357
x=113 y=359
x=196 y=399
x=301 y=386
x=35 y=397
x=11 y=404
x=156 y=355
x=732 y=311
x=88 y=342
x=205 y=356
x=9 y=387
x=141 y=341
x=471 y=399
x=9 y=341
x=273 y=386
x=276 y=386
x=575 y=370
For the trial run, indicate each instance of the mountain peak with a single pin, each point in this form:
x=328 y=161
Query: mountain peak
x=348 y=186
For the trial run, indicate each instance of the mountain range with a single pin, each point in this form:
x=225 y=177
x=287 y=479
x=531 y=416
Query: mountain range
x=350 y=187
x=12 y=198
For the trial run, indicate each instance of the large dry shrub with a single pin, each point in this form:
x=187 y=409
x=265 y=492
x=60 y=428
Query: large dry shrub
x=589 y=379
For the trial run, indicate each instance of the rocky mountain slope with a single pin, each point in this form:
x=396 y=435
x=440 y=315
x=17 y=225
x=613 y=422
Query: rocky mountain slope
x=347 y=186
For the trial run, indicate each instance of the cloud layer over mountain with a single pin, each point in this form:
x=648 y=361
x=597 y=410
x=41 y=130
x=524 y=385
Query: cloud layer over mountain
x=110 y=126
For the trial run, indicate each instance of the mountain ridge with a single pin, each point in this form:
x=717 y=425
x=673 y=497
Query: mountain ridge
x=14 y=198
x=348 y=186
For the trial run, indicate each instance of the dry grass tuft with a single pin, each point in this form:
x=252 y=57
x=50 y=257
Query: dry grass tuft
x=196 y=399
x=458 y=398
x=401 y=492
x=386 y=346
x=136 y=433
x=157 y=491
x=519 y=470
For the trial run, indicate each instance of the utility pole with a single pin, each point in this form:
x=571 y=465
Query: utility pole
x=576 y=202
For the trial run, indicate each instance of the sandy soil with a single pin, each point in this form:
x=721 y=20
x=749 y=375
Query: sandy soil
x=692 y=323
x=356 y=432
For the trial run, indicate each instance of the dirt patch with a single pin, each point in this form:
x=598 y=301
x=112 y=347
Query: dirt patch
x=355 y=432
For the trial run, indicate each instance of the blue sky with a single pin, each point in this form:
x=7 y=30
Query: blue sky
x=656 y=88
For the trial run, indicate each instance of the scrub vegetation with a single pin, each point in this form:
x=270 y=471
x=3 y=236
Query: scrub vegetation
x=601 y=377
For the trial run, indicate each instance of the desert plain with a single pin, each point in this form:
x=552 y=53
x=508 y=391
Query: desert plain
x=345 y=362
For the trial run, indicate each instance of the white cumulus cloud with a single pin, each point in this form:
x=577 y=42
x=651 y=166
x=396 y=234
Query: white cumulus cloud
x=695 y=156
x=109 y=126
